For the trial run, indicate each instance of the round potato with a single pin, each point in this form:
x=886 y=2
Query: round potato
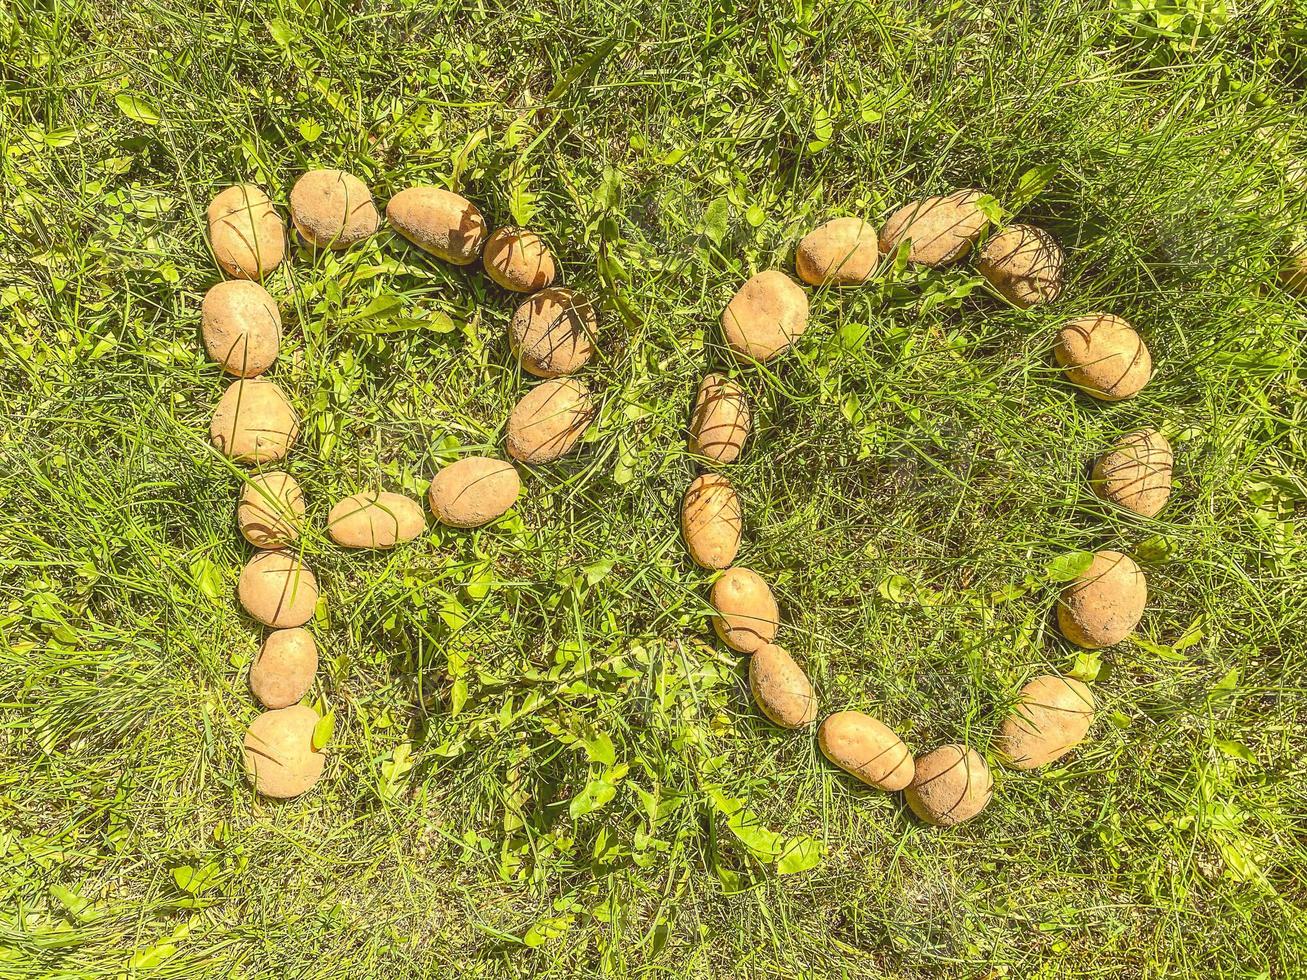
x=246 y=233
x=278 y=590
x=1105 y=603
x=1103 y=356
x=519 y=260
x=474 y=491
x=241 y=327
x=941 y=229
x=333 y=209
x=842 y=252
x=271 y=510
x=950 y=785
x=284 y=670
x=375 y=519
x=1135 y=473
x=866 y=748
x=712 y=521
x=780 y=688
x=438 y=221
x=1024 y=264
x=721 y=420
x=550 y=420
x=1050 y=719
x=280 y=760
x=553 y=333
x=254 y=422
x=747 y=617
x=769 y=313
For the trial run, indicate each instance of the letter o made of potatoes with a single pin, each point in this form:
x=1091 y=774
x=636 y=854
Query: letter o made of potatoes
x=747 y=617
x=1104 y=603
x=278 y=590
x=780 y=688
x=280 y=760
x=867 y=748
x=951 y=785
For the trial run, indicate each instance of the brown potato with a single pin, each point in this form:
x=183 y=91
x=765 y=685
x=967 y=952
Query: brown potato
x=712 y=521
x=942 y=229
x=284 y=670
x=280 y=760
x=553 y=333
x=1293 y=274
x=842 y=252
x=769 y=313
x=438 y=221
x=1103 y=356
x=246 y=233
x=1135 y=473
x=519 y=260
x=550 y=420
x=951 y=785
x=254 y=422
x=1050 y=719
x=241 y=327
x=271 y=509
x=747 y=617
x=474 y=491
x=720 y=421
x=866 y=748
x=333 y=209
x=1105 y=603
x=278 y=590
x=375 y=519
x=1024 y=264
x=780 y=688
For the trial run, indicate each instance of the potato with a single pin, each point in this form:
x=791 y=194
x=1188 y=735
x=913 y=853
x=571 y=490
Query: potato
x=951 y=785
x=780 y=688
x=333 y=209
x=720 y=421
x=246 y=233
x=519 y=260
x=474 y=491
x=1104 y=603
x=712 y=521
x=285 y=667
x=271 y=509
x=254 y=422
x=769 y=313
x=1050 y=719
x=280 y=760
x=375 y=519
x=241 y=327
x=866 y=748
x=842 y=252
x=1024 y=264
x=1293 y=274
x=550 y=420
x=747 y=617
x=278 y=590
x=1135 y=473
x=553 y=333
x=1103 y=356
x=942 y=229
x=438 y=221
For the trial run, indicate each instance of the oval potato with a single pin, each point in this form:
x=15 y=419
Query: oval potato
x=285 y=667
x=280 y=760
x=553 y=333
x=375 y=519
x=941 y=229
x=780 y=688
x=1105 y=603
x=271 y=509
x=712 y=521
x=1051 y=718
x=474 y=491
x=241 y=327
x=1103 y=356
x=747 y=617
x=950 y=785
x=1024 y=264
x=438 y=221
x=278 y=590
x=254 y=422
x=333 y=209
x=246 y=233
x=519 y=260
x=867 y=748
x=720 y=421
x=842 y=252
x=550 y=420
x=1135 y=473
x=766 y=315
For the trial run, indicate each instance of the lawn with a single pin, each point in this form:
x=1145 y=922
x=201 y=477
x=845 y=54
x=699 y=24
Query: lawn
x=543 y=763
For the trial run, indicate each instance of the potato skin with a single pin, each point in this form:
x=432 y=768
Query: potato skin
x=942 y=228
x=285 y=667
x=447 y=225
x=278 y=590
x=1293 y=274
x=1103 y=356
x=780 y=688
x=246 y=233
x=951 y=785
x=241 y=327
x=1135 y=473
x=720 y=421
x=553 y=333
x=333 y=209
x=271 y=509
x=1051 y=718
x=766 y=315
x=254 y=422
x=841 y=252
x=549 y=421
x=867 y=748
x=474 y=491
x=280 y=760
x=747 y=617
x=519 y=260
x=373 y=519
x=712 y=521
x=1105 y=603
x=1024 y=264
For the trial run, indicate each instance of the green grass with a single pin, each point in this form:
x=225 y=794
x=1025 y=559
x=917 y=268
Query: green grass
x=917 y=468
